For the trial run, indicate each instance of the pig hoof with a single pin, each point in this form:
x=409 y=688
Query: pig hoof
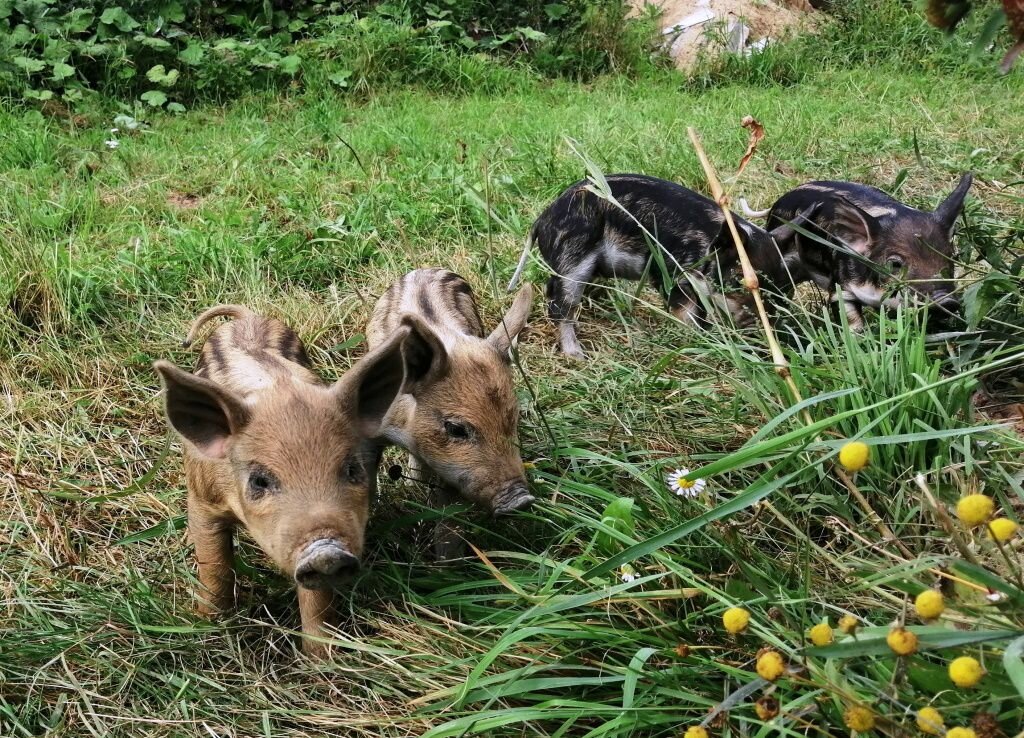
x=512 y=499
x=324 y=564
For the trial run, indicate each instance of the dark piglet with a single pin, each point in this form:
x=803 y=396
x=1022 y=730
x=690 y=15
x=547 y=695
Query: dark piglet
x=582 y=236
x=878 y=245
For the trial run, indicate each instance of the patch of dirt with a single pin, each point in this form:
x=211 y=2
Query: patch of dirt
x=690 y=26
x=184 y=200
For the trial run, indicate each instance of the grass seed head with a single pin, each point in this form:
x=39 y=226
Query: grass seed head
x=901 y=641
x=854 y=456
x=929 y=604
x=973 y=510
x=736 y=619
x=965 y=671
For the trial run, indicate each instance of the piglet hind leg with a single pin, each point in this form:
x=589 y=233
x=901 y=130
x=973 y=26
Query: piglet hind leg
x=316 y=608
x=563 y=300
x=212 y=539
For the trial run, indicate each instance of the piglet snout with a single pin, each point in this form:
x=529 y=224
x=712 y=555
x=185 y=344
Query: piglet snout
x=515 y=496
x=323 y=564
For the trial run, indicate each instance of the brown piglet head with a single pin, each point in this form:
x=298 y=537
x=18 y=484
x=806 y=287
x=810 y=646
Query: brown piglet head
x=297 y=465
x=463 y=416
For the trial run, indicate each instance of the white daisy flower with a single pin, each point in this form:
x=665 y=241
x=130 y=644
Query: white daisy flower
x=685 y=487
x=627 y=573
x=112 y=143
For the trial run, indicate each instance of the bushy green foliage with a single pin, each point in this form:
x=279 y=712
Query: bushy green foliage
x=162 y=52
x=168 y=52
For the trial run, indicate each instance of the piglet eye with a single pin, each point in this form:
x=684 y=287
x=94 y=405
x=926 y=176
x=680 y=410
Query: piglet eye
x=456 y=430
x=353 y=472
x=895 y=263
x=261 y=483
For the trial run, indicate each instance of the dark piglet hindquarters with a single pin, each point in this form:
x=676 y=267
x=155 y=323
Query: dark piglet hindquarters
x=583 y=236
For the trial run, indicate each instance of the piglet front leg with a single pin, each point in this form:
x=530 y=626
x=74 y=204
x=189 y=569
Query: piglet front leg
x=316 y=608
x=212 y=538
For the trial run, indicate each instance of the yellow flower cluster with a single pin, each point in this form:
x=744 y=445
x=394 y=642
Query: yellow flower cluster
x=973 y=510
x=902 y=641
x=854 y=456
x=965 y=671
x=770 y=665
x=736 y=619
x=929 y=604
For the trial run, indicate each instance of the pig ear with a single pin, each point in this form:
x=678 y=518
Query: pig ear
x=370 y=387
x=786 y=232
x=854 y=226
x=425 y=357
x=952 y=206
x=513 y=322
x=202 y=412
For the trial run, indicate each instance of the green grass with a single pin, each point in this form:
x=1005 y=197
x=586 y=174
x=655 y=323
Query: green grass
x=105 y=257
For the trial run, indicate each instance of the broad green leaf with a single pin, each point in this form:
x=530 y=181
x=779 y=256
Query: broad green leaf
x=156 y=73
x=29 y=65
x=291 y=64
x=117 y=17
x=340 y=78
x=175 y=107
x=618 y=515
x=1014 y=664
x=62 y=71
x=192 y=54
x=173 y=12
x=78 y=20
x=154 y=98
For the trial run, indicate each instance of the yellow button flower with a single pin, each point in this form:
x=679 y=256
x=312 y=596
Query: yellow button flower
x=965 y=671
x=770 y=665
x=929 y=604
x=735 y=620
x=696 y=731
x=854 y=456
x=902 y=641
x=848 y=624
x=821 y=634
x=860 y=719
x=929 y=720
x=973 y=510
x=1002 y=529
x=961 y=733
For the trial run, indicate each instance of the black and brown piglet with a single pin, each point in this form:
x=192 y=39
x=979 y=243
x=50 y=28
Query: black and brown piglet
x=867 y=245
x=271 y=449
x=458 y=414
x=583 y=235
